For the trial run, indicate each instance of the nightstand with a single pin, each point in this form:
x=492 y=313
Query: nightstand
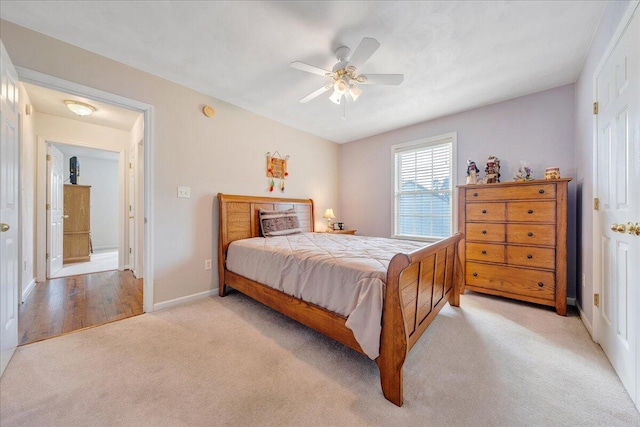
x=342 y=231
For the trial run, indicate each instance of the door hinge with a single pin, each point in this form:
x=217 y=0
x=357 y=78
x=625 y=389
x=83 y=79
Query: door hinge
x=47 y=257
x=48 y=157
x=596 y=300
x=130 y=167
x=595 y=108
x=596 y=204
x=129 y=250
x=48 y=206
x=129 y=208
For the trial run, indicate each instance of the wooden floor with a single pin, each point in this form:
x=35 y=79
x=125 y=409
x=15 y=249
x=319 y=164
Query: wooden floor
x=67 y=304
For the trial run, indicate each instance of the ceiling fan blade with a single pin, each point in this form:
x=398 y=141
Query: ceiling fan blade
x=316 y=93
x=310 y=68
x=363 y=52
x=382 y=79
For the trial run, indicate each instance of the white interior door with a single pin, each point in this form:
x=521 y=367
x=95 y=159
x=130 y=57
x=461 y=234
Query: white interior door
x=132 y=209
x=9 y=167
x=618 y=190
x=55 y=209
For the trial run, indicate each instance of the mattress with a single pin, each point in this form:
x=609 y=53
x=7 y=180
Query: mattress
x=343 y=273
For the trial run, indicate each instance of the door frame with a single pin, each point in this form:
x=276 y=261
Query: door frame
x=42 y=182
x=51 y=82
x=596 y=269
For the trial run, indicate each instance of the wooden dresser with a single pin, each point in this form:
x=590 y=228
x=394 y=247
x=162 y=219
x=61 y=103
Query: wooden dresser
x=516 y=240
x=77 y=223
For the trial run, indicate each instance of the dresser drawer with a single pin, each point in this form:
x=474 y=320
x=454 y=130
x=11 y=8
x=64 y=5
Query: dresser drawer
x=530 y=256
x=531 y=211
x=532 y=234
x=485 y=232
x=486 y=212
x=512 y=280
x=486 y=252
x=540 y=191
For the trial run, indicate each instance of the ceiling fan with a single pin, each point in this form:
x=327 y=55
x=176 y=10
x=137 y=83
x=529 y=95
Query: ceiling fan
x=345 y=77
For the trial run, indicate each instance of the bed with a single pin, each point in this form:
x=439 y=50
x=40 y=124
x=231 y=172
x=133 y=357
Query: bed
x=418 y=284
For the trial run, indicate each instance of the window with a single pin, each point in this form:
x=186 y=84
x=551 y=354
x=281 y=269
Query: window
x=423 y=188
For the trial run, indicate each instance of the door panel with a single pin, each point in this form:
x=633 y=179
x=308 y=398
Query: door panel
x=132 y=209
x=9 y=168
x=55 y=213
x=618 y=175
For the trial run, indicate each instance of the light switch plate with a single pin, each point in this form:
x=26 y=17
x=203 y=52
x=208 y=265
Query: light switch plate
x=184 y=192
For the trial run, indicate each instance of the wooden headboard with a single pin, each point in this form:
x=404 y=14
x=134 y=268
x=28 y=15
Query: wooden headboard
x=238 y=216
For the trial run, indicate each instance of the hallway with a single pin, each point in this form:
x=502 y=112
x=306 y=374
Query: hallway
x=60 y=306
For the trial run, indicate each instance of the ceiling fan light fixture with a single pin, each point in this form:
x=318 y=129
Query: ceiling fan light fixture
x=341 y=86
x=336 y=97
x=355 y=92
x=80 y=108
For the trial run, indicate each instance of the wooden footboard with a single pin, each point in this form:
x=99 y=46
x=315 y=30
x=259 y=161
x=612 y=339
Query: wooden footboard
x=419 y=284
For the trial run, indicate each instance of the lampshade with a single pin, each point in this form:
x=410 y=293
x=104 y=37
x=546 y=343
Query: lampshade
x=355 y=92
x=80 y=108
x=329 y=214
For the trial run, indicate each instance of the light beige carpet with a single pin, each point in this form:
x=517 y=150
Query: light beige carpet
x=231 y=361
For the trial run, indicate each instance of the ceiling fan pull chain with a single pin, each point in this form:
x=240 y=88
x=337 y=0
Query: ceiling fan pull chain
x=344 y=109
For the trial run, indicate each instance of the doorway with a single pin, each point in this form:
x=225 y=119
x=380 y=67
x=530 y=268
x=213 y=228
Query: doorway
x=119 y=285
x=89 y=211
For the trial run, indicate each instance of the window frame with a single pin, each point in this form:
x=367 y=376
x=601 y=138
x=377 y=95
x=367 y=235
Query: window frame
x=452 y=138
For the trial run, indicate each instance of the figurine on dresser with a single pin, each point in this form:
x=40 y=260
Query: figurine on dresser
x=492 y=170
x=524 y=173
x=472 y=172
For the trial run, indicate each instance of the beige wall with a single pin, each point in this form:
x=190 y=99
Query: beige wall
x=75 y=132
x=223 y=154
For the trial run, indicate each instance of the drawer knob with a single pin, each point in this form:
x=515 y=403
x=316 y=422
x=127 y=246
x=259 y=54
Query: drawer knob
x=475 y=194
x=484 y=211
x=484 y=231
x=530 y=234
x=540 y=284
x=529 y=256
x=475 y=274
x=484 y=252
x=530 y=211
x=541 y=191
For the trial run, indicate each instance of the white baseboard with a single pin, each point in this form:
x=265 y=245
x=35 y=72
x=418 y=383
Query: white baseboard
x=585 y=321
x=27 y=291
x=183 y=300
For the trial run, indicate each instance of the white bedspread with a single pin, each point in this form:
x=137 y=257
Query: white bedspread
x=342 y=273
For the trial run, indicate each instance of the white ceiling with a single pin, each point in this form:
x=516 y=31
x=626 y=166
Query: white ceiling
x=455 y=55
x=50 y=101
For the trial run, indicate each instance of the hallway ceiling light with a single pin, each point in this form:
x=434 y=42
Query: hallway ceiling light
x=80 y=108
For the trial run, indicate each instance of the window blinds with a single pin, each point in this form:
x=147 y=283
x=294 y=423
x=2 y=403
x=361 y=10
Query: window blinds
x=423 y=189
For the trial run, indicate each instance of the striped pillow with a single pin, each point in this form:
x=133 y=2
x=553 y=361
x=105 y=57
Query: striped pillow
x=279 y=223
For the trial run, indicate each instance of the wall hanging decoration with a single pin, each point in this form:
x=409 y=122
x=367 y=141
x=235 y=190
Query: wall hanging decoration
x=276 y=170
x=492 y=170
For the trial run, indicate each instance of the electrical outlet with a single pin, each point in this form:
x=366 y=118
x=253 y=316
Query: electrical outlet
x=207 y=264
x=184 y=192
